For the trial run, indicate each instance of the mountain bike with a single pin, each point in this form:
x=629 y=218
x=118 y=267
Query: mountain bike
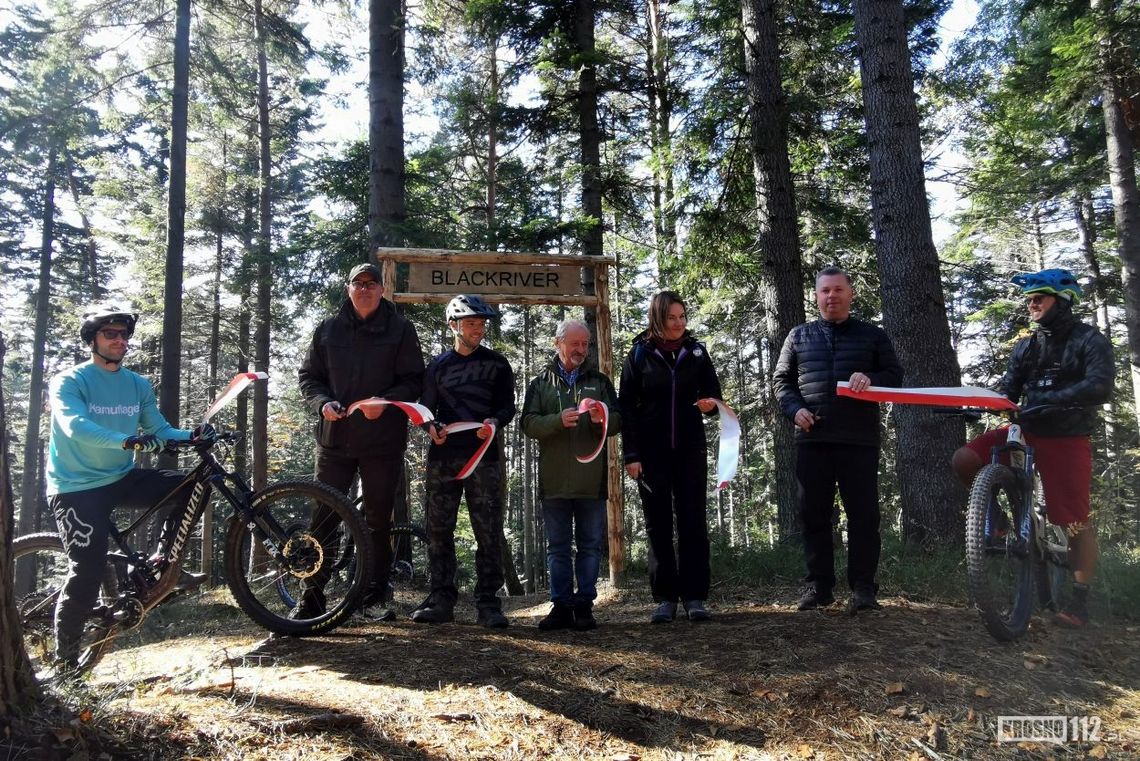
x=295 y=530
x=409 y=571
x=1011 y=547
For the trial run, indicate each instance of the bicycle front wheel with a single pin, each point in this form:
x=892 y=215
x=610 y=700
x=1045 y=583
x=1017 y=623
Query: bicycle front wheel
x=409 y=577
x=41 y=567
x=299 y=542
x=999 y=554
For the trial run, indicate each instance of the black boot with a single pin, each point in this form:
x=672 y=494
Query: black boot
x=584 y=616
x=561 y=616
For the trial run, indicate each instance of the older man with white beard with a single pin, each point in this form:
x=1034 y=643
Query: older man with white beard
x=573 y=493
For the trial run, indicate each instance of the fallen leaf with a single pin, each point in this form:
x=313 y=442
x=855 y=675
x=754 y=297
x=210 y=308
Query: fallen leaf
x=1035 y=747
x=971 y=716
x=895 y=688
x=982 y=692
x=902 y=711
x=85 y=715
x=1098 y=751
x=805 y=751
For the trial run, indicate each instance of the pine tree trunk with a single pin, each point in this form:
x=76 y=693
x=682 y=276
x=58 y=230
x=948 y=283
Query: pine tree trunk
x=18 y=686
x=914 y=309
x=777 y=237
x=30 y=485
x=660 y=116
x=590 y=154
x=1125 y=196
x=386 y=200
x=90 y=248
x=169 y=381
x=264 y=268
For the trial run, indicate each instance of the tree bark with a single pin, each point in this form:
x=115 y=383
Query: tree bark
x=1125 y=196
x=30 y=485
x=914 y=309
x=169 y=389
x=777 y=243
x=18 y=686
x=661 y=139
x=264 y=265
x=386 y=199
x=589 y=153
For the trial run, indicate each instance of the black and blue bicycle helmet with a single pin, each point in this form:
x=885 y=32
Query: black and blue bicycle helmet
x=1055 y=282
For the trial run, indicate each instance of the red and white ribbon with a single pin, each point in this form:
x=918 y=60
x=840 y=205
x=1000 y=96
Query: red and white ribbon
x=584 y=408
x=417 y=413
x=935 y=396
x=729 y=454
x=471 y=425
x=239 y=383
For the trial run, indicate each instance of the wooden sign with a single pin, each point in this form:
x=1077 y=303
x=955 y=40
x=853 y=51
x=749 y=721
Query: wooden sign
x=476 y=277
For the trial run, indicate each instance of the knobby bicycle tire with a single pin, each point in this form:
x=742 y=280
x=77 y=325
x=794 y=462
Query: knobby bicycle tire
x=312 y=524
x=999 y=564
x=46 y=564
x=409 y=558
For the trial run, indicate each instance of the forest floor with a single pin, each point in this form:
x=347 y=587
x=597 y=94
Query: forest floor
x=915 y=680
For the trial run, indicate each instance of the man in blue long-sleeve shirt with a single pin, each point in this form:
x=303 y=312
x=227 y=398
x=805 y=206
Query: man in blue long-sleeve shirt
x=101 y=414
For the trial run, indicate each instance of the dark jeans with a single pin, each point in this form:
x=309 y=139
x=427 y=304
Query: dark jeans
x=574 y=521
x=483 y=490
x=678 y=487
x=84 y=519
x=379 y=477
x=855 y=469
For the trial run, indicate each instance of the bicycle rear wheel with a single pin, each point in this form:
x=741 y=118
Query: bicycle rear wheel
x=304 y=569
x=41 y=567
x=409 y=576
x=999 y=554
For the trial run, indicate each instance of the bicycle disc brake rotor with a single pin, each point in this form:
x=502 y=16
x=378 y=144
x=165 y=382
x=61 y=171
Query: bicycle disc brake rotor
x=304 y=555
x=128 y=612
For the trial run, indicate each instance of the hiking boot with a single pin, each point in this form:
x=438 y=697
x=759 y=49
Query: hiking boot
x=492 y=618
x=433 y=613
x=697 y=611
x=584 y=616
x=814 y=597
x=561 y=616
x=863 y=598
x=378 y=611
x=1075 y=614
x=664 y=613
x=188 y=582
x=312 y=605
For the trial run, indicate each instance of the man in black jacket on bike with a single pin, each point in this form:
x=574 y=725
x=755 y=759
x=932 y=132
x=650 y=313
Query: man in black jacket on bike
x=366 y=349
x=837 y=438
x=1066 y=363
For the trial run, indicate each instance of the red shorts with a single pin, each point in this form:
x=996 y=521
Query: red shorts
x=1065 y=465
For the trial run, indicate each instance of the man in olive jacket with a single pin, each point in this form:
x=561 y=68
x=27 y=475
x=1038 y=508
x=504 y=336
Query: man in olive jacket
x=366 y=349
x=837 y=438
x=573 y=493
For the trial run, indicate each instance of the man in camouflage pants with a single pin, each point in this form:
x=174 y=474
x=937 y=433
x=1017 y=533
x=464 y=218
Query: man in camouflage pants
x=470 y=383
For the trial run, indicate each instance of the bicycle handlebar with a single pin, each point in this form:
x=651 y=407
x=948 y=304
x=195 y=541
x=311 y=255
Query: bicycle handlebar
x=975 y=413
x=221 y=437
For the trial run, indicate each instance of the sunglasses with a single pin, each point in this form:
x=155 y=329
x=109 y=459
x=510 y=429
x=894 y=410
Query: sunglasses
x=364 y=285
x=1037 y=298
x=112 y=333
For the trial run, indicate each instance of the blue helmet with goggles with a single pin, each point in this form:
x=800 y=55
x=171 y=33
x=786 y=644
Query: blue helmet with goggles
x=1055 y=282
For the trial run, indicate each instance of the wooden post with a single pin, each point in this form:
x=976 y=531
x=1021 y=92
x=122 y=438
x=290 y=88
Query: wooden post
x=388 y=278
x=615 y=513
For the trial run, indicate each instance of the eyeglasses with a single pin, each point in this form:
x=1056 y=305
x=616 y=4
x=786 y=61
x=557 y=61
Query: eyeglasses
x=1037 y=298
x=364 y=285
x=111 y=334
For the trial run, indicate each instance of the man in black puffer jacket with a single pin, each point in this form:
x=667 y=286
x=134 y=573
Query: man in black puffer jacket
x=837 y=437
x=1066 y=363
x=366 y=349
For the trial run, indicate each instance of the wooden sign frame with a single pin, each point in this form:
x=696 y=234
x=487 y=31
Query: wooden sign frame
x=599 y=301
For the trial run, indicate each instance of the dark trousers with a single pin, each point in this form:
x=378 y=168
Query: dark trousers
x=678 y=488
x=84 y=519
x=855 y=469
x=483 y=491
x=379 y=477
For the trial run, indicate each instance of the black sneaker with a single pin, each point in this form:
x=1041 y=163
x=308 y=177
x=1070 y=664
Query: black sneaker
x=863 y=598
x=188 y=582
x=492 y=618
x=433 y=613
x=378 y=611
x=584 y=616
x=814 y=597
x=561 y=616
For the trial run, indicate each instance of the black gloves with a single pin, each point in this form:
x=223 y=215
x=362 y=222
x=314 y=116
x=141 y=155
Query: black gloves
x=204 y=434
x=147 y=442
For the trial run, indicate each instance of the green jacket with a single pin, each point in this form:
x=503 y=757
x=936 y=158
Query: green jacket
x=560 y=475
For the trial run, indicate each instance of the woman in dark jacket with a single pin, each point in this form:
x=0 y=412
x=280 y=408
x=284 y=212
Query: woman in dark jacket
x=667 y=382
